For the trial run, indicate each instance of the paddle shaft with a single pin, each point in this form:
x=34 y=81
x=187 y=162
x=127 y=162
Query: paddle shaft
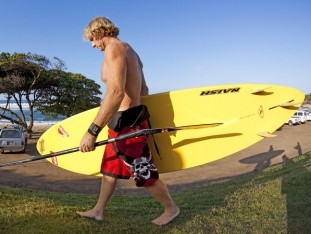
x=142 y=132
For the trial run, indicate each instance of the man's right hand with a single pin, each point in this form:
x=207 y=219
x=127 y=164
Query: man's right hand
x=87 y=143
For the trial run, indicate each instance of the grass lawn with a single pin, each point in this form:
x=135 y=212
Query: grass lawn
x=276 y=200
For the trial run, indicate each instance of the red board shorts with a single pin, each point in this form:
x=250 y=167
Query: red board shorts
x=130 y=157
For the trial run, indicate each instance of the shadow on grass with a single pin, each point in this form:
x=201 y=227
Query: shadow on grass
x=297 y=189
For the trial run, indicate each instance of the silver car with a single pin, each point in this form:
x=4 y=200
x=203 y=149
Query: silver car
x=12 y=139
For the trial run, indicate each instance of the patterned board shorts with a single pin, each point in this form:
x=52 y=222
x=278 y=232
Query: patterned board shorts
x=130 y=158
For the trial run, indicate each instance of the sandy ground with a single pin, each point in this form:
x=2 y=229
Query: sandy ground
x=41 y=175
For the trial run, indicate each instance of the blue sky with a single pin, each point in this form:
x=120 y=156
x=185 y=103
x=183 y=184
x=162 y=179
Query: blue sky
x=182 y=43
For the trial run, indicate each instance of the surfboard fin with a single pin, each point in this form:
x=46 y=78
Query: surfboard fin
x=287 y=104
x=266 y=134
x=259 y=90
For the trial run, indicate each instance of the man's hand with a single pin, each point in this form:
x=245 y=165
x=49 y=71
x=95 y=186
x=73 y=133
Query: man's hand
x=87 y=143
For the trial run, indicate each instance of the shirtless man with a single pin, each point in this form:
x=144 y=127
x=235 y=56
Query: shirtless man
x=124 y=80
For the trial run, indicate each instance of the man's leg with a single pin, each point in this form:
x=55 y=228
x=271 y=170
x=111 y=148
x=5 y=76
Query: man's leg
x=106 y=190
x=160 y=192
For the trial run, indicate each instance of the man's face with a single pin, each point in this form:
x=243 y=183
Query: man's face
x=98 y=43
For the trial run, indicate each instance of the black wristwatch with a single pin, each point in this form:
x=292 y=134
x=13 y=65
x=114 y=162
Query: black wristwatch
x=94 y=129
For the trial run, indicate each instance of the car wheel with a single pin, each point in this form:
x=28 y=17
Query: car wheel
x=290 y=123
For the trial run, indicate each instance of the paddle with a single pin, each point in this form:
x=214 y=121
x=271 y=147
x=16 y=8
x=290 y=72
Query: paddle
x=143 y=132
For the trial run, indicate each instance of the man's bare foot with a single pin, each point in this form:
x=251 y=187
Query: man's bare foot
x=91 y=214
x=166 y=217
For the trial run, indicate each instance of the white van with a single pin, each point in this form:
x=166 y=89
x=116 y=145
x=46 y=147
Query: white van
x=294 y=120
x=302 y=115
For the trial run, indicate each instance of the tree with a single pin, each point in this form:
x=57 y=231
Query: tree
x=73 y=94
x=45 y=86
x=26 y=77
x=308 y=99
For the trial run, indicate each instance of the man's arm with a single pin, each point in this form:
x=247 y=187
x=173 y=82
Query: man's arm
x=114 y=70
x=115 y=76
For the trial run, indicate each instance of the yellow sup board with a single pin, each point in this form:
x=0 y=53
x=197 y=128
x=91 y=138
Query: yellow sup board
x=247 y=113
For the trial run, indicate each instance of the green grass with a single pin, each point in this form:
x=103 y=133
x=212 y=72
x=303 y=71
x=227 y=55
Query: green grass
x=277 y=200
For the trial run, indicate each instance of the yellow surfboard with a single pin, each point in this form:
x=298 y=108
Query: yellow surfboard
x=244 y=113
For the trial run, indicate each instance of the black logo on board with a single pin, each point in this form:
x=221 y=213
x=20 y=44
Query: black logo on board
x=220 y=91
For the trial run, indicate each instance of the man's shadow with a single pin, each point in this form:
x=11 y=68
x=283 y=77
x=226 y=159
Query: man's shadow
x=262 y=160
x=296 y=187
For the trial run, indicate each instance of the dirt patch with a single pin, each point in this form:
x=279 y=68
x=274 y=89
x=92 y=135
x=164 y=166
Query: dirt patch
x=41 y=175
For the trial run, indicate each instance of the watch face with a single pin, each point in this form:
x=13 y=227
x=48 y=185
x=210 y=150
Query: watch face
x=94 y=129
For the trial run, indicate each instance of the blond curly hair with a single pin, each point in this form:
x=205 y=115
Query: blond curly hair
x=100 y=27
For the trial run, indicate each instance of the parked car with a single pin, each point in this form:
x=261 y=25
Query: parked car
x=302 y=115
x=293 y=120
x=308 y=116
x=12 y=139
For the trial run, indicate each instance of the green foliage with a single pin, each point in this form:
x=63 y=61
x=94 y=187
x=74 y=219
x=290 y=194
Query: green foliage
x=276 y=200
x=44 y=85
x=74 y=93
x=24 y=73
x=26 y=77
x=308 y=99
